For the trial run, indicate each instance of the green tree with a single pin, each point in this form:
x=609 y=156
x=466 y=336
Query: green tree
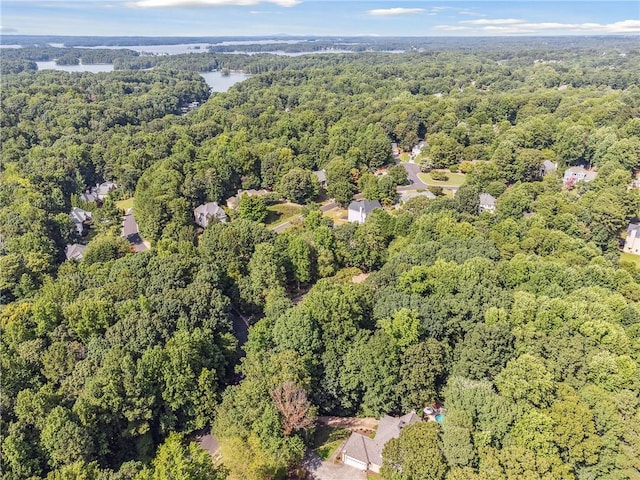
x=252 y=207
x=299 y=185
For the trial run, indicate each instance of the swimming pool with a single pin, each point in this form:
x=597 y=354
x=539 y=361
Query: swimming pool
x=439 y=418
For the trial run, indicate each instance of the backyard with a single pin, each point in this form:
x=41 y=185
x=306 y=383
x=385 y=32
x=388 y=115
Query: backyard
x=280 y=213
x=628 y=257
x=327 y=439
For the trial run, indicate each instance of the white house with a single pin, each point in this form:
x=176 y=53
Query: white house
x=204 y=213
x=487 y=203
x=360 y=210
x=365 y=453
x=578 y=174
x=632 y=242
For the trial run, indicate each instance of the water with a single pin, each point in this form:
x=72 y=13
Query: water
x=97 y=68
x=220 y=83
x=439 y=418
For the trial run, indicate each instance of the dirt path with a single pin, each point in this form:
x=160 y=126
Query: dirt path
x=366 y=424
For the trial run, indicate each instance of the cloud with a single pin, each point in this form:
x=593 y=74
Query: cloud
x=495 y=21
x=7 y=29
x=514 y=26
x=208 y=3
x=388 y=12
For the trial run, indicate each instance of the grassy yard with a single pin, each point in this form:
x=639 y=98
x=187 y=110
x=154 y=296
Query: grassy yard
x=405 y=157
x=280 y=213
x=337 y=214
x=327 y=439
x=455 y=179
x=627 y=257
x=125 y=204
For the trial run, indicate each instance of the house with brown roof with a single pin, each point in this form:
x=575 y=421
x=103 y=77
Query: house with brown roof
x=365 y=453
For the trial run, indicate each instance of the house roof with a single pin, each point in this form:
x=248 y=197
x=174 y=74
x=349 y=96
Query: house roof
x=549 y=165
x=367 y=206
x=633 y=227
x=405 y=197
x=80 y=216
x=104 y=188
x=74 y=251
x=321 y=175
x=208 y=210
x=369 y=450
x=487 y=199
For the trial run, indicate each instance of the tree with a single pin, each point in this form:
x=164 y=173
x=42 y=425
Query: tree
x=296 y=411
x=421 y=371
x=299 y=185
x=415 y=454
x=177 y=459
x=252 y=207
x=64 y=440
x=300 y=255
x=526 y=379
x=105 y=248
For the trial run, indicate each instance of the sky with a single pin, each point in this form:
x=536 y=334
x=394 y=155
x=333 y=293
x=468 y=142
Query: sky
x=318 y=17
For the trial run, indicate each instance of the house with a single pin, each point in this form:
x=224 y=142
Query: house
x=632 y=242
x=321 y=175
x=98 y=193
x=81 y=219
x=102 y=190
x=395 y=151
x=360 y=210
x=74 y=252
x=406 y=196
x=365 y=453
x=415 y=151
x=233 y=202
x=578 y=174
x=487 y=203
x=548 y=167
x=207 y=211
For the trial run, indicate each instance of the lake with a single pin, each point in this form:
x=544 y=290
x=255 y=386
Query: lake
x=216 y=81
x=97 y=68
x=221 y=83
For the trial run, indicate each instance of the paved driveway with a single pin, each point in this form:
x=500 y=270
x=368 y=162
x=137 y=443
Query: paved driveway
x=412 y=173
x=320 y=470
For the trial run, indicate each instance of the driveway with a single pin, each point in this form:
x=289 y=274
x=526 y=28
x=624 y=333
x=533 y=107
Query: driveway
x=328 y=470
x=412 y=174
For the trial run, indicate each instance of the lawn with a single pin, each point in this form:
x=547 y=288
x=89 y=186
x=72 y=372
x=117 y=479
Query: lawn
x=327 y=439
x=280 y=213
x=405 y=157
x=627 y=257
x=337 y=214
x=125 y=204
x=455 y=179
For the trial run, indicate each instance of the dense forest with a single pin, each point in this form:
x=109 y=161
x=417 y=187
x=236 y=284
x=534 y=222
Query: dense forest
x=524 y=323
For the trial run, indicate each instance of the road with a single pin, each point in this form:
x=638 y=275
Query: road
x=416 y=184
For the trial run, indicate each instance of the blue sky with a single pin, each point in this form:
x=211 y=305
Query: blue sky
x=319 y=17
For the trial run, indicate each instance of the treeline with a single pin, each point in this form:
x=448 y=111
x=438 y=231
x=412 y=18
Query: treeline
x=524 y=322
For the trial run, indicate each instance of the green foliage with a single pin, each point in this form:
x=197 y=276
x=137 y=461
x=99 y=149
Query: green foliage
x=299 y=185
x=252 y=207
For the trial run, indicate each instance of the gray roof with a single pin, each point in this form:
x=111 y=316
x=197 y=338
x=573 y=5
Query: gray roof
x=406 y=196
x=103 y=189
x=74 y=251
x=321 y=175
x=367 y=206
x=89 y=196
x=204 y=212
x=80 y=216
x=369 y=450
x=486 y=199
x=633 y=227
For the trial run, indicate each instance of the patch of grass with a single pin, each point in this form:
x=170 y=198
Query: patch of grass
x=280 y=213
x=327 y=439
x=455 y=179
x=125 y=204
x=337 y=214
x=630 y=258
x=404 y=157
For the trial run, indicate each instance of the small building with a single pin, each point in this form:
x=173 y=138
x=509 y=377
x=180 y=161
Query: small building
x=204 y=213
x=578 y=174
x=89 y=196
x=74 y=251
x=415 y=151
x=632 y=242
x=365 y=453
x=81 y=219
x=233 y=202
x=548 y=167
x=98 y=193
x=359 y=211
x=487 y=203
x=406 y=196
x=321 y=175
